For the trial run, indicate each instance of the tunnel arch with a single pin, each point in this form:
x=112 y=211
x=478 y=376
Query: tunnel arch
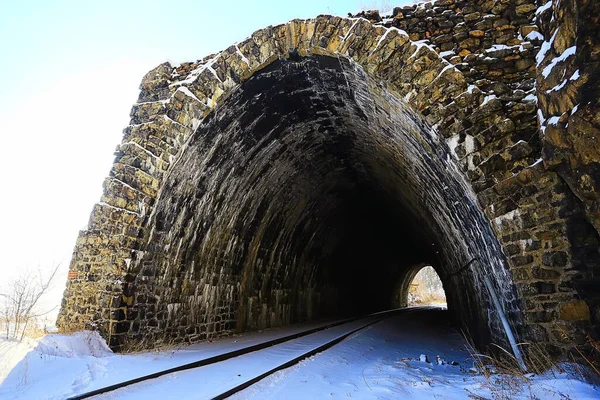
x=251 y=207
x=181 y=109
x=411 y=293
x=406 y=279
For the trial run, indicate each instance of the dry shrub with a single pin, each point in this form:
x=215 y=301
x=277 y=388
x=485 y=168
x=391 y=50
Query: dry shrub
x=157 y=346
x=592 y=359
x=588 y=354
x=506 y=380
x=501 y=371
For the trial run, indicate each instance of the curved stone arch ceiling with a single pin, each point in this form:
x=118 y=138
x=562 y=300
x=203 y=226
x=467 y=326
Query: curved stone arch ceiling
x=421 y=155
x=175 y=102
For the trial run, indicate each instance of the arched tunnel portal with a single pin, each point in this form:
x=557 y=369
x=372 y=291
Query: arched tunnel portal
x=309 y=191
x=309 y=171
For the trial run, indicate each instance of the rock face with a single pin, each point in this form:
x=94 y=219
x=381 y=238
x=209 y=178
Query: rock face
x=568 y=83
x=314 y=168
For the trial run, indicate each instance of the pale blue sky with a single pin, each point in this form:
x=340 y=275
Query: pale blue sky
x=58 y=36
x=69 y=74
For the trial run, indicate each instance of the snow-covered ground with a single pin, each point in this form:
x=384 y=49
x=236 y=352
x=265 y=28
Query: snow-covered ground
x=59 y=366
x=409 y=356
x=414 y=355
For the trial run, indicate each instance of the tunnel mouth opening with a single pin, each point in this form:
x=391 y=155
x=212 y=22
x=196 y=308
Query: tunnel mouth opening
x=310 y=192
x=426 y=289
x=378 y=240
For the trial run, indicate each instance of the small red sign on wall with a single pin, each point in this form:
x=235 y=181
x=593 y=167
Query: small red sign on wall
x=73 y=274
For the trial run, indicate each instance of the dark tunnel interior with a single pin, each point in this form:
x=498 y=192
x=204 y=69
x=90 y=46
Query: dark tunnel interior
x=379 y=244
x=311 y=191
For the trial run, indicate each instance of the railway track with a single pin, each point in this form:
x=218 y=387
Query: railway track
x=317 y=340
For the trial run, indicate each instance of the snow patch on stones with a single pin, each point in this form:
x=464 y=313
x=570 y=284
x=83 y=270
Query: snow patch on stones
x=571 y=51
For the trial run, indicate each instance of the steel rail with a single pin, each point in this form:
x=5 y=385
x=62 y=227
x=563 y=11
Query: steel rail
x=295 y=360
x=232 y=354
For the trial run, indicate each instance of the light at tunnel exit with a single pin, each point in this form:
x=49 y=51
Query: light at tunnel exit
x=426 y=289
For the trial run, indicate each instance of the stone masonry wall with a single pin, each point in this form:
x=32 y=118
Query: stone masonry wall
x=244 y=218
x=529 y=182
x=523 y=174
x=568 y=85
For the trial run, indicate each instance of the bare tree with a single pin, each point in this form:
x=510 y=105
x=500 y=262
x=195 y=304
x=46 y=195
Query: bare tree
x=382 y=5
x=21 y=301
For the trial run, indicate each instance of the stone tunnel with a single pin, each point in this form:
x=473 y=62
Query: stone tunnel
x=312 y=169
